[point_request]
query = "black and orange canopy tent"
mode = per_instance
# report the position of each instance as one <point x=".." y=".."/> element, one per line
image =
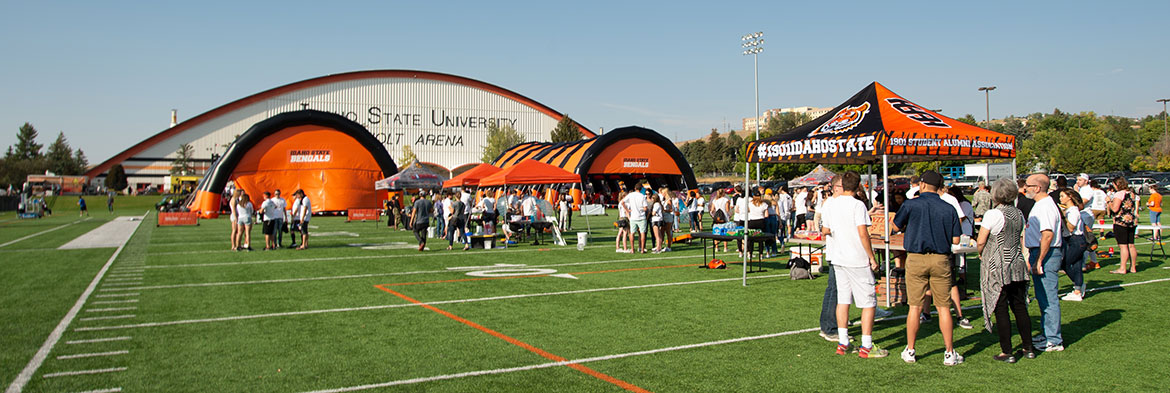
<point x="472" y="176"/>
<point x="877" y="125"/>
<point x="626" y="154"/>
<point x="874" y="123"/>
<point x="530" y="172"/>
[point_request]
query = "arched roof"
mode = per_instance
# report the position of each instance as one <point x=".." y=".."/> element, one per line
<point x="578" y="156"/>
<point x="310" y="83"/>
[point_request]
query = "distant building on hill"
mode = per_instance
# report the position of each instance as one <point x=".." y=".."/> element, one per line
<point x="749" y="123"/>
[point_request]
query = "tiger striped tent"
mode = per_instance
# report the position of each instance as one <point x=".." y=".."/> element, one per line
<point x="626" y="154"/>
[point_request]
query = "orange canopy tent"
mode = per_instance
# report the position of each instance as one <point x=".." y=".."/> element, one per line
<point x="472" y="177"/>
<point x="530" y="172"/>
<point x="877" y="123"/>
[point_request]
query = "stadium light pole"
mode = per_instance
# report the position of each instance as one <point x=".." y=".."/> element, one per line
<point x="1165" y="127"/>
<point x="987" y="96"/>
<point x="753" y="44"/>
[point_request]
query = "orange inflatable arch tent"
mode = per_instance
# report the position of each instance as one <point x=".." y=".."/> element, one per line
<point x="333" y="159"/>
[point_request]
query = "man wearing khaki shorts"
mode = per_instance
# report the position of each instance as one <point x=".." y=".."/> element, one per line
<point x="931" y="227"/>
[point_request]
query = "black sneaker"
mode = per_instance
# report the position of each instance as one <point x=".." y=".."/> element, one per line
<point x="1003" y="357"/>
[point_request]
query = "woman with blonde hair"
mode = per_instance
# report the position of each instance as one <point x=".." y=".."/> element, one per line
<point x="669" y="213"/>
<point x="657" y="221"/>
<point x="232" y="200"/>
<point x="624" y="244"/>
<point x="244" y="212"/>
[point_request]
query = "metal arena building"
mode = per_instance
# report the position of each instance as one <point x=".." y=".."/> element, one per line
<point x="443" y="119"/>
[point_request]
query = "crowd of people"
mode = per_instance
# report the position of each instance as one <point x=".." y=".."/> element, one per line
<point x="454" y="213"/>
<point x="271" y="216"/>
<point x="1032" y="229"/>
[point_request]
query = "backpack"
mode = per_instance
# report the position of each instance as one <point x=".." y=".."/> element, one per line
<point x="799" y="269"/>
<point x="715" y="264"/>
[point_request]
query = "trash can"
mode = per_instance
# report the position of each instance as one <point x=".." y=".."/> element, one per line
<point x="582" y="240"/>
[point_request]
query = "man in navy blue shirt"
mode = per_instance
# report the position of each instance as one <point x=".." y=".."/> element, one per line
<point x="931" y="227"/>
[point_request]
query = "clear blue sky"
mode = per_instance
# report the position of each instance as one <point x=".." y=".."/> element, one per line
<point x="108" y="73"/>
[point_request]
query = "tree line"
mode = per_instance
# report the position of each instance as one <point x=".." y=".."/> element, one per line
<point x="27" y="157"/>
<point x="1056" y="142"/>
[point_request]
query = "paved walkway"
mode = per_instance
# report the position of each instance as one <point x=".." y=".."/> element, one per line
<point x="110" y="235"/>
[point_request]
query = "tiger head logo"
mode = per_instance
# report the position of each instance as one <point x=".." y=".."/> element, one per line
<point x="844" y="120"/>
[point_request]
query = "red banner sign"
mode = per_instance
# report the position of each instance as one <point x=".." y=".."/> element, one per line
<point x="363" y="214"/>
<point x="177" y="219"/>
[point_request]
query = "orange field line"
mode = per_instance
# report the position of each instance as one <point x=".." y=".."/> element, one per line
<point x="579" y="367"/>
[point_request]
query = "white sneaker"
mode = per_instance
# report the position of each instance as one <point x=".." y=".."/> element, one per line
<point x="1053" y="348"/>
<point x="828" y="337"/>
<point x="908" y="356"/>
<point x="1072" y="297"/>
<point x="951" y="358"/>
<point x="879" y="312"/>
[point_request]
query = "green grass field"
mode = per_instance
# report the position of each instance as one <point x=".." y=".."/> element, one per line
<point x="345" y="315"/>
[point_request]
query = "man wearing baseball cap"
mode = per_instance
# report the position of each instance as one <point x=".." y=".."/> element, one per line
<point x="931" y="227"/>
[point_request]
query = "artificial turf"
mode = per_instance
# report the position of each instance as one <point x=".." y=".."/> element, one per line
<point x="209" y="319"/>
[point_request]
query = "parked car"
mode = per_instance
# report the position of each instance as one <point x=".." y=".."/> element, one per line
<point x="1141" y="185"/>
<point x="720" y="185"/>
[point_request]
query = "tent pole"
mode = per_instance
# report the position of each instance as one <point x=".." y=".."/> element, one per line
<point x="1014" y="174"/>
<point x="886" y="212"/>
<point x="747" y="192"/>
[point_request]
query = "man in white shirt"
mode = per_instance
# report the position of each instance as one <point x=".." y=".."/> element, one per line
<point x="465" y="197"/>
<point x="1041" y="237"/>
<point x="282" y="207"/>
<point x="945" y="194"/>
<point x="914" y="187"/>
<point x="304" y="214"/>
<point x="783" y="212"/>
<point x="1083" y="189"/>
<point x="635" y="204"/>
<point x="800" y="203"/>
<point x="845" y="223"/>
<point x="271" y="214"/>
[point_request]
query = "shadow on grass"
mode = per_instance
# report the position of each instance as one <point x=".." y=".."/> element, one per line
<point x="1075" y="330"/>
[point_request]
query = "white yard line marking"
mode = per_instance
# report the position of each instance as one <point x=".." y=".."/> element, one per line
<point x="35" y="363"/>
<point x="98" y="340"/>
<point x="92" y="355"/>
<point x="85" y="372"/>
<point x="118" y="295"/>
<point x="44" y="232"/>
<point x="564" y="363"/>
<point x="629" y="354"/>
<point x="421" y="255"/>
<point x="120" y="284"/>
<point x="402" y="305"/>
<point x="124" y="279"/>
<point x="288" y="280"/>
<point x="126" y="316"/>
<point x="116" y="301"/>
<point x="111" y="309"/>
<point x="110" y="390"/>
